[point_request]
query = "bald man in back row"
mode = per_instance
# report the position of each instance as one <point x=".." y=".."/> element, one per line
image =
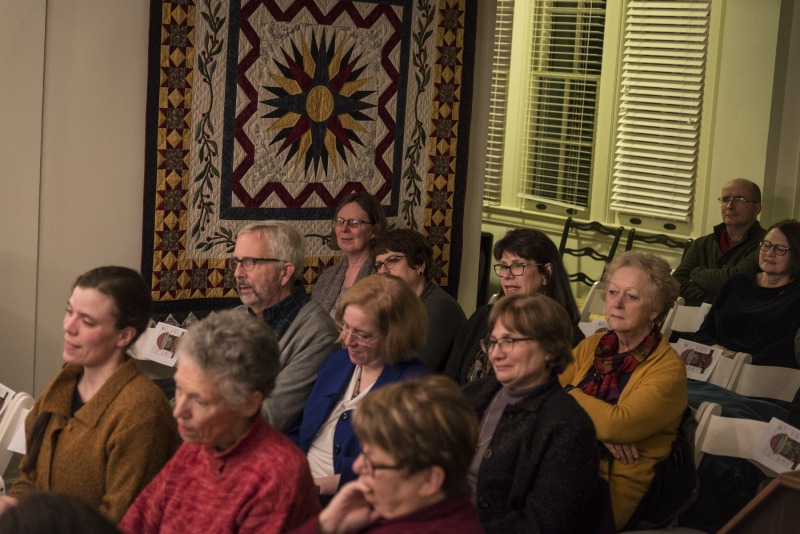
<point x="731" y="249"/>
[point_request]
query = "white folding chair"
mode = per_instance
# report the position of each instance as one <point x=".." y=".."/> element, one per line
<point x="687" y="318"/>
<point x="20" y="403"/>
<point x="594" y="303"/>
<point x="779" y="383"/>
<point x="727" y="371"/>
<point x="703" y="415"/>
<point x="730" y="436"/>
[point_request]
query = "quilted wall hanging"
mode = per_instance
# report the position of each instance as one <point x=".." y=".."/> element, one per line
<point x="270" y="109"/>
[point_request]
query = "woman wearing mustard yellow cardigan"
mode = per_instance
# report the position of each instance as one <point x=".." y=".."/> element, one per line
<point x="629" y="380"/>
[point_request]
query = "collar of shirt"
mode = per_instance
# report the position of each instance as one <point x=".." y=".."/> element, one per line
<point x="281" y="315"/>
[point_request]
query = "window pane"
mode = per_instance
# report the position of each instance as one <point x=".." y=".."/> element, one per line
<point x="566" y="60"/>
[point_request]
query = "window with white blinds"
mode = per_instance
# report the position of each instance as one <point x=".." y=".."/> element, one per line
<point x="565" y="63"/>
<point x="660" y="104"/>
<point x="501" y="67"/>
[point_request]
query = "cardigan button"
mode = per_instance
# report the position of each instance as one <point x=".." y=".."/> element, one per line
<point x="488" y="454"/>
<point x="345" y="416"/>
<point x="337" y="449"/>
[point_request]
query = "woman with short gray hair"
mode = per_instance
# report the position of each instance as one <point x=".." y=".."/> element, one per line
<point x="234" y="472"/>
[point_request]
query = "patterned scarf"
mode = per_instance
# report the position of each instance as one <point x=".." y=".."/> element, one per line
<point x="612" y="369"/>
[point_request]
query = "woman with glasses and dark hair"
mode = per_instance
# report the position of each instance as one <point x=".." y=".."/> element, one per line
<point x="535" y="467"/>
<point x="358" y="222"/>
<point x="758" y="313"/>
<point x="406" y="253"/>
<point x="528" y="263"/>
<point x="100" y="430"/>
<point x="383" y="325"/>
<point x="417" y="439"/>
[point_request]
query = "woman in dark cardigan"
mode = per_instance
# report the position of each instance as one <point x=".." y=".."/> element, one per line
<point x="536" y="467"/>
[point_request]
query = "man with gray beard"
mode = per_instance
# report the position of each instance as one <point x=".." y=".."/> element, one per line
<point x="267" y="263"/>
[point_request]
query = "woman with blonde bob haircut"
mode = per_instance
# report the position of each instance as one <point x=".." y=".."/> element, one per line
<point x="399" y="315"/>
<point x="383" y="326"/>
<point x="631" y="382"/>
<point x="535" y="464"/>
<point x="418" y="438"/>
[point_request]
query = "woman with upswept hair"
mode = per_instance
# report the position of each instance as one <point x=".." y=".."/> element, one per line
<point x="100" y="430"/>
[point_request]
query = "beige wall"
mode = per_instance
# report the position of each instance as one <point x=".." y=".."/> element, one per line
<point x="22" y="64"/>
<point x="80" y="202"/>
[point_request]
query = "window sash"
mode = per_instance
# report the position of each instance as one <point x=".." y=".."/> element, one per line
<point x="566" y="59"/>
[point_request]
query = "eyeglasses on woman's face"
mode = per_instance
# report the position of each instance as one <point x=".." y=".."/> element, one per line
<point x="390" y="262"/>
<point x="505" y="344"/>
<point x="780" y="250"/>
<point x="357" y="335"/>
<point x="368" y="468"/>
<point x="351" y="223"/>
<point x="517" y="269"/>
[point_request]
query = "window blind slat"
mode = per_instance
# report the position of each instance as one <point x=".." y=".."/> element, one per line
<point x="658" y="123"/>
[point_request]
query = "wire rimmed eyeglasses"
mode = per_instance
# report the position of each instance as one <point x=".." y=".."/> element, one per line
<point x="735" y="200"/>
<point x="517" y="269"/>
<point x="390" y="262"/>
<point x="505" y="344"/>
<point x="780" y="250"/>
<point x="351" y="223"/>
<point x="248" y="264"/>
<point x="360" y="337"/>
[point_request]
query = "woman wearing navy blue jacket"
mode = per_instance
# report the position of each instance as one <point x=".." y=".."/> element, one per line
<point x="383" y="325"/>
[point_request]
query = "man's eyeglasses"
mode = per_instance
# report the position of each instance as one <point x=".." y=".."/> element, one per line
<point x="735" y="200"/>
<point x="780" y="250"/>
<point x="369" y="468"/>
<point x="517" y="269"/>
<point x="505" y="344"/>
<point x="356" y="335"/>
<point x="248" y="264"/>
<point x="390" y="262"/>
<point x="351" y="223"/>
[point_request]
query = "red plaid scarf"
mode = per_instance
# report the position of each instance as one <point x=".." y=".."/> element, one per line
<point x="612" y="368"/>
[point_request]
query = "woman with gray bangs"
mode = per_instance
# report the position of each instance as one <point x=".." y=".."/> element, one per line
<point x="234" y="472"/>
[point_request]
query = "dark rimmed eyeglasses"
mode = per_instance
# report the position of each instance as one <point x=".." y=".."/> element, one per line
<point x="505" y="344"/>
<point x="390" y="262"/>
<point x="351" y="223"/>
<point x="780" y="250"/>
<point x="248" y="264"/>
<point x="517" y="269"/>
<point x="370" y="468"/>
<point x="736" y="200"/>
